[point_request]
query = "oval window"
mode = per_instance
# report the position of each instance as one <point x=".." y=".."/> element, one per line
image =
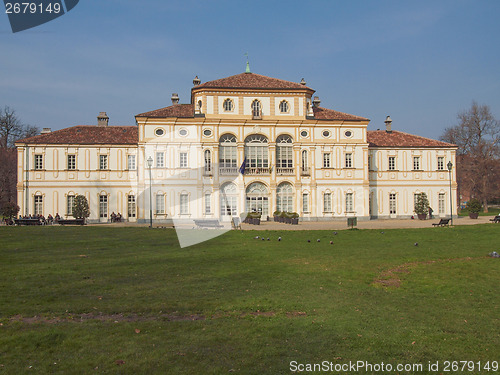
<point x="207" y="132"/>
<point x="326" y="133"/>
<point x="348" y="133"/>
<point x="183" y="132"/>
<point x="159" y="132"/>
<point x="304" y="133"/>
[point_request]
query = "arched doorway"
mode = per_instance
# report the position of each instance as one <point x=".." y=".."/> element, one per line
<point x="228" y="201"/>
<point x="257" y="198"/>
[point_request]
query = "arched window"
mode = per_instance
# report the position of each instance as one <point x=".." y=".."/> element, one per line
<point x="208" y="161"/>
<point x="227" y="154"/>
<point x="284" y="152"/>
<point x="200" y="104"/>
<point x="228" y="105"/>
<point x="256" y="154"/>
<point x="257" y="198"/>
<point x="228" y="200"/>
<point x="284" y="106"/>
<point x="284" y="197"/>
<point x="304" y="166"/>
<point x="256" y="109"/>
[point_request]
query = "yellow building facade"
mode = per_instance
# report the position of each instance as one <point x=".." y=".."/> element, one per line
<point x="243" y="143"/>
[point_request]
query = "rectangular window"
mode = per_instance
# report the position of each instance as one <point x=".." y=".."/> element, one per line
<point x="160" y="161"/>
<point x="348" y="160"/>
<point x="208" y="206"/>
<point x="227" y="156"/>
<point x="415" y="199"/>
<point x="305" y="202"/>
<point x="416" y="163"/>
<point x="38" y="161"/>
<point x="103" y="161"/>
<point x="131" y="162"/>
<point x="327" y="202"/>
<point x="392" y="204"/>
<point x="184" y="204"/>
<point x="103" y="205"/>
<point x="440" y="163"/>
<point x="369" y="162"/>
<point x="71" y="162"/>
<point x="441" y="204"/>
<point x="70" y="202"/>
<point x="38" y="205"/>
<point x="131" y="207"/>
<point x="349" y="206"/>
<point x="284" y="156"/>
<point x="183" y="160"/>
<point x="160" y="204"/>
<point x="392" y="163"/>
<point x="326" y="161"/>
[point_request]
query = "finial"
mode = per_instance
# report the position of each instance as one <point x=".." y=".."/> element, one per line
<point x="248" y="64"/>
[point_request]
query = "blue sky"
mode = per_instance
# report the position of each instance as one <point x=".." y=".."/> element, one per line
<point x="420" y="62"/>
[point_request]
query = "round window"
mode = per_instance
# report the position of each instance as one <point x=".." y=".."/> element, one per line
<point x="348" y="133"/>
<point x="207" y="132"/>
<point x="304" y="133"/>
<point x="159" y="132"/>
<point x="326" y="133"/>
<point x="183" y="132"/>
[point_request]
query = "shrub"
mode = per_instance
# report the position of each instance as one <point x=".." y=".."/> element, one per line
<point x="474" y="206"/>
<point x="422" y="205"/>
<point x="9" y="210"/>
<point x="81" y="207"/>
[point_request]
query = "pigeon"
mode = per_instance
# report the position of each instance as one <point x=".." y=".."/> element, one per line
<point x="263" y="239"/>
<point x="334" y="233"/>
<point x="268" y="239"/>
<point x="416" y="243"/>
<point x="256" y="237"/>
<point x="381" y="232"/>
<point x="331" y="242"/>
<point x="279" y="238"/>
<point x="318" y="240"/>
<point x="308" y="240"/>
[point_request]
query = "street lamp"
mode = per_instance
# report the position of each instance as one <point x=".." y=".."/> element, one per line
<point x="150" y="164"/>
<point x="450" y="166"/>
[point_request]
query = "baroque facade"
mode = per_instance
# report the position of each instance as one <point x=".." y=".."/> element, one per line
<point x="244" y="143"/>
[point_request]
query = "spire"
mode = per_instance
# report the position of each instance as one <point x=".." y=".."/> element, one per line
<point x="248" y="64"/>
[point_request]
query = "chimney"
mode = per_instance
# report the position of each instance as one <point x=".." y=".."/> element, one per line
<point x="388" y="122"/>
<point x="46" y="131"/>
<point x="303" y="82"/>
<point x="175" y="98"/>
<point x="196" y="81"/>
<point x="102" y="119"/>
<point x="316" y="102"/>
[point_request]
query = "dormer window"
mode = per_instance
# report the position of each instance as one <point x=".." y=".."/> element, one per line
<point x="256" y="109"/>
<point x="284" y="107"/>
<point x="228" y="105"/>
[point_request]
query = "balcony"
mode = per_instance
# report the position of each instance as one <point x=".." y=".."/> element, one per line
<point x="285" y="171"/>
<point x="228" y="171"/>
<point x="305" y="172"/>
<point x="257" y="171"/>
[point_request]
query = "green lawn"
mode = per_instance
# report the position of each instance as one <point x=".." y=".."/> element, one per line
<point x="492" y="211"/>
<point x="77" y="300"/>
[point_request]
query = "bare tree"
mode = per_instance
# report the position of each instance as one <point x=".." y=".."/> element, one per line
<point x="11" y="129"/>
<point x="478" y="156"/>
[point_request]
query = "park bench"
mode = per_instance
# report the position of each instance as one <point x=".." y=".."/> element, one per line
<point x="208" y="223"/>
<point x="27" y="222"/>
<point x="442" y="223"/>
<point x="496" y="219"/>
<point x="71" y="222"/>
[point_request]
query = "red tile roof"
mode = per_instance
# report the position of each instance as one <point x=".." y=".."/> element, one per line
<point x="87" y="135"/>
<point x="252" y="81"/>
<point x="176" y="110"/>
<point x="381" y="138"/>
<point x="329" y="114"/>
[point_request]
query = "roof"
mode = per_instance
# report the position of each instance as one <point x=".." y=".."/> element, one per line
<point x="176" y="110"/>
<point x="381" y="138"/>
<point x="252" y="81"/>
<point x="87" y="135"/>
<point x="329" y="114"/>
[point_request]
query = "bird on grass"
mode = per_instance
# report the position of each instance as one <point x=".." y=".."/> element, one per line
<point x="279" y="238"/>
<point x="318" y="240"/>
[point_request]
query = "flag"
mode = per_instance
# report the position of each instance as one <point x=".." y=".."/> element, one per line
<point x="243" y="166"/>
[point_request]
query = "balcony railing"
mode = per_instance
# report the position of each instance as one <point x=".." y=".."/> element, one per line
<point x="305" y="172"/>
<point x="257" y="171"/>
<point x="228" y="171"/>
<point x="285" y="171"/>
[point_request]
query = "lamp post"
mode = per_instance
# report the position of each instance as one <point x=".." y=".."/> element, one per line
<point x="150" y="164"/>
<point x="450" y="166"/>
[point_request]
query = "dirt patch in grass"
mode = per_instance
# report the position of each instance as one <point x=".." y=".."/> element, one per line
<point x="130" y="318"/>
<point x="390" y="278"/>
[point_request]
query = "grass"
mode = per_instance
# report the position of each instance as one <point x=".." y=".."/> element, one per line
<point x="130" y="301"/>
<point x="492" y="211"/>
